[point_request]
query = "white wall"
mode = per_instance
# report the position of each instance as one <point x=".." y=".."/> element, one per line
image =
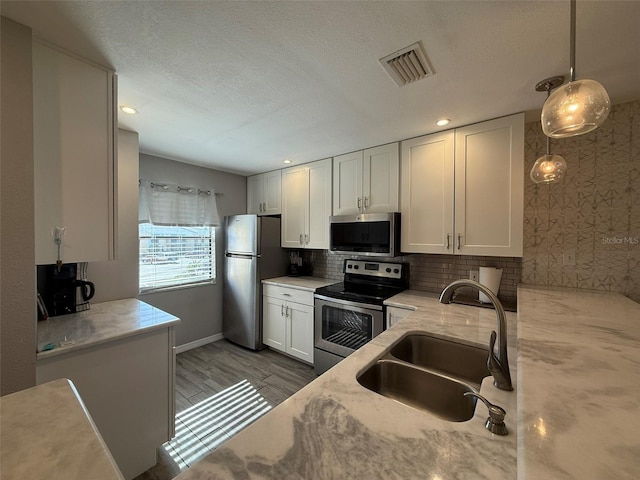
<point x="119" y="279"/>
<point x="199" y="308"/>
<point x="17" y="237"/>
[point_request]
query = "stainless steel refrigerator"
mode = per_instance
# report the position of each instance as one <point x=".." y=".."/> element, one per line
<point x="252" y="253"/>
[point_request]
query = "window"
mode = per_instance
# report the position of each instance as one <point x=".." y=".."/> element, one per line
<point x="176" y="256"/>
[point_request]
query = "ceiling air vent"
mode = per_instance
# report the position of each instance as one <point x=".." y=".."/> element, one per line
<point x="407" y="65"/>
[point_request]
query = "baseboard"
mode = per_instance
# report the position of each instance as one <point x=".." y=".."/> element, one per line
<point x="199" y="343"/>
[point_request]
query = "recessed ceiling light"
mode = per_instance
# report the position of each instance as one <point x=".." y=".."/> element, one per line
<point x="287" y="161"/>
<point x="442" y="122"/>
<point x="129" y="110"/>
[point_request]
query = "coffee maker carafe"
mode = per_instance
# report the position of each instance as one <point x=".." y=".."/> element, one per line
<point x="62" y="291"/>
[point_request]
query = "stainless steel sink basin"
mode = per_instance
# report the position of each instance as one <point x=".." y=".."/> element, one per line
<point x="443" y="397"/>
<point x="453" y="358"/>
<point x="431" y="374"/>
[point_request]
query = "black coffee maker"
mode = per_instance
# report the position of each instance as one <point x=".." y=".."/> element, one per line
<point x="61" y="290"/>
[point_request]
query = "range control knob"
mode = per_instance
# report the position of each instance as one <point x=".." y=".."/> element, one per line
<point x="349" y="266"/>
<point x="395" y="270"/>
<point x="356" y="267"/>
<point x="388" y="270"/>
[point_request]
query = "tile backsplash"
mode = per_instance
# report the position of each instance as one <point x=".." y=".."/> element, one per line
<point x="593" y="215"/>
<point x="431" y="273"/>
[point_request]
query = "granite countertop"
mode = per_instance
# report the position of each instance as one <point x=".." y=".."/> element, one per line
<point x="310" y="284"/>
<point x="103" y="323"/>
<point x="578" y="394"/>
<point x="48" y="433"/>
<point x="335" y="428"/>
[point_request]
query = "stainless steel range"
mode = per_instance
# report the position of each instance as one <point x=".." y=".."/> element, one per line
<point x="350" y="313"/>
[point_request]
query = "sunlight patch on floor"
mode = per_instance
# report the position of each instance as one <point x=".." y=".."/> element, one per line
<point x="205" y="426"/>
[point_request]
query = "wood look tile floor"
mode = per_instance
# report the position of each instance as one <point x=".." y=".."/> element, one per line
<point x="220" y="389"/>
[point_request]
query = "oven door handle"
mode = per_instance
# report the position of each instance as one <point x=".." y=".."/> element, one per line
<point x="349" y="303"/>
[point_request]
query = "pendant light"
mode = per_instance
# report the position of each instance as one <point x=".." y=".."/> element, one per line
<point x="549" y="168"/>
<point x="577" y="107"/>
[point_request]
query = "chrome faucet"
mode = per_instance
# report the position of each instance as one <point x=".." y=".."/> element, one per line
<point x="498" y="366"/>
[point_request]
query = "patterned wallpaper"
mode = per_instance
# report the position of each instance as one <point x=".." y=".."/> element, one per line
<point x="594" y="214"/>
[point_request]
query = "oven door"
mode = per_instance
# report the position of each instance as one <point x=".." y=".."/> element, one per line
<point x="341" y="327"/>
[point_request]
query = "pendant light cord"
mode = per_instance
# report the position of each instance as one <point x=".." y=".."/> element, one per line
<point x="572" y="43"/>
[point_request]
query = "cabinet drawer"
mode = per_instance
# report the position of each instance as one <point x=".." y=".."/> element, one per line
<point x="289" y="294"/>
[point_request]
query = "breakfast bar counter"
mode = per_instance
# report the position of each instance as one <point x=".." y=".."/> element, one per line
<point x="573" y="413"/>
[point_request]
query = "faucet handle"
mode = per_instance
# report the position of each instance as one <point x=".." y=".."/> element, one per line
<point x="495" y="421"/>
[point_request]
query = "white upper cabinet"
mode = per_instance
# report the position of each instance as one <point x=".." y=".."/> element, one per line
<point x="462" y="190"/>
<point x="366" y="181"/>
<point x="264" y="193"/>
<point x="306" y="205"/>
<point x="74" y="157"/>
<point x="427" y="193"/>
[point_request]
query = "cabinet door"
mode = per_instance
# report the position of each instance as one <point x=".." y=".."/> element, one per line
<point x="381" y="172"/>
<point x="319" y="204"/>
<point x="347" y="183"/>
<point x="300" y="331"/>
<point x="489" y="172"/>
<point x="273" y="323"/>
<point x="272" y="193"/>
<point x="427" y="194"/>
<point x="295" y="196"/>
<point x="255" y="194"/>
<point x="395" y="314"/>
<point x="74" y="148"/>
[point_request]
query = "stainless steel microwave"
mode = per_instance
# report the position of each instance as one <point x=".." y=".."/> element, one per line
<point x="371" y="234"/>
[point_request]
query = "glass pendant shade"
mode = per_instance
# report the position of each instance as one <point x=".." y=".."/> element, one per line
<point x="575" y="109"/>
<point x="548" y="169"/>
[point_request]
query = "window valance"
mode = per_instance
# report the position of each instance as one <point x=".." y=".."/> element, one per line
<point x="175" y="205"/>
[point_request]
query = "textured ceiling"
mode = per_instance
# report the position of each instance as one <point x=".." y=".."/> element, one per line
<point x="240" y="86"/>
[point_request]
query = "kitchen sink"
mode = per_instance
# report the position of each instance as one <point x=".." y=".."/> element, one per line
<point x="443" y="397"/>
<point x="430" y="373"/>
<point x="453" y="358"/>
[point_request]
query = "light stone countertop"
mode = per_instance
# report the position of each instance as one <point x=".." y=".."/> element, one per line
<point x="104" y="322"/>
<point x="579" y="388"/>
<point x="48" y="433"/>
<point x="309" y="284"/>
<point x="336" y="429"/>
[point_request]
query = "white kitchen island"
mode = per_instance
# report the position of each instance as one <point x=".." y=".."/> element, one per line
<point x="120" y="356"/>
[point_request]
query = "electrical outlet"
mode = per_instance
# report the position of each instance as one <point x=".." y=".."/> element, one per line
<point x="569" y="258"/>
<point x="474" y="275"/>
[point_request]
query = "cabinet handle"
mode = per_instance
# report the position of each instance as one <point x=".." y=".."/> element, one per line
<point x="260" y="207"/>
<point x="359" y="202"/>
<point x="366" y="202"/>
<point x="300" y="239"/>
<point x="459" y="241"/>
<point x="448" y="241"/>
<point x="285" y="294"/>
<point x="282" y="310"/>
<point x="264" y="207"/>
<point x="287" y="312"/>
<point x="306" y="239"/>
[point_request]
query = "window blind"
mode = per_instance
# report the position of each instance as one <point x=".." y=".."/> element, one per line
<point x="173" y="256"/>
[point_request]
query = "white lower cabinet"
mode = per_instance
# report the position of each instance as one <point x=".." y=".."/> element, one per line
<point x="395" y="314"/>
<point x="288" y="321"/>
